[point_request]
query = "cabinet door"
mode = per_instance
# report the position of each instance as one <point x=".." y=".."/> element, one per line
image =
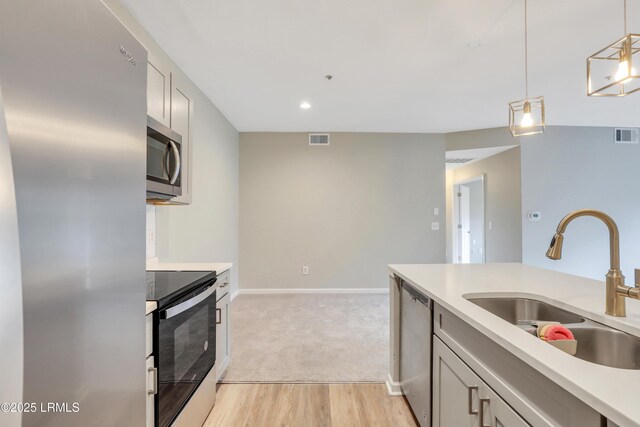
<point x="455" y="389"/>
<point x="152" y="384"/>
<point x="495" y="412"/>
<point x="158" y="91"/>
<point x="181" y="122"/>
<point x="222" y="335"/>
<point x="461" y="398"/>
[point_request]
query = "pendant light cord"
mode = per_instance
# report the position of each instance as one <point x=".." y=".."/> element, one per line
<point x="526" y="51"/>
<point x="625" y="17"/>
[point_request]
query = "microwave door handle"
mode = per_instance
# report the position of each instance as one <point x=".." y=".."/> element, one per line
<point x="165" y="160"/>
<point x="186" y="305"/>
<point x="176" y="170"/>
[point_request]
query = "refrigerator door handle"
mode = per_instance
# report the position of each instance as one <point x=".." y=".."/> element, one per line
<point x="176" y="171"/>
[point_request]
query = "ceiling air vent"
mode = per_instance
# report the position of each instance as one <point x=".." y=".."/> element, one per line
<point x="626" y="135"/>
<point x="318" y="139"/>
<point x="458" y="160"/>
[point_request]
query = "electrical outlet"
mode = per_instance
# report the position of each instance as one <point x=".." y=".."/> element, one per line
<point x="305" y="269"/>
<point x="435" y="226"/>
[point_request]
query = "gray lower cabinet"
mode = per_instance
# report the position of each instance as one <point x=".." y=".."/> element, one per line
<point x="223" y="347"/>
<point x="461" y="398"/>
<point x="152" y="385"/>
<point x="478" y="383"/>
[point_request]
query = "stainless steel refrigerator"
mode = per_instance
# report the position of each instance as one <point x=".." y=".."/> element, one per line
<point x="73" y="84"/>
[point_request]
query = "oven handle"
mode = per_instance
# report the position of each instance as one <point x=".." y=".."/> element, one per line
<point x="176" y="171"/>
<point x="184" y="306"/>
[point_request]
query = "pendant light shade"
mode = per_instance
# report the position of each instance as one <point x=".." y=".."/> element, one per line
<point x="615" y="70"/>
<point x="526" y="117"/>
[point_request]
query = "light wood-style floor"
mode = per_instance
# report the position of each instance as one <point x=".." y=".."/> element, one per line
<point x="308" y="405"/>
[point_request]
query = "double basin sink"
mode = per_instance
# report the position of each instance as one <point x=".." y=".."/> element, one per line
<point x="597" y="343"/>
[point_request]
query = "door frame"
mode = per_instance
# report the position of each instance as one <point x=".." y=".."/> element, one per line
<point x="455" y="212"/>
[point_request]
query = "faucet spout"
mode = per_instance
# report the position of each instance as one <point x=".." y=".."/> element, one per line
<point x="616" y="291"/>
<point x="555" y="249"/>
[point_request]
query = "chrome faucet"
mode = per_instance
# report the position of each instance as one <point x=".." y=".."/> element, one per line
<point x="616" y="291"/>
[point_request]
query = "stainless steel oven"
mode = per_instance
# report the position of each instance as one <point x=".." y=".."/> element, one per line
<point x="184" y="338"/>
<point x="163" y="161"/>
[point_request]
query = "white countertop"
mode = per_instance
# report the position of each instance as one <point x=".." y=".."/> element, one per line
<point x="151" y="306"/>
<point x="218" y="267"/>
<point x="613" y="392"/>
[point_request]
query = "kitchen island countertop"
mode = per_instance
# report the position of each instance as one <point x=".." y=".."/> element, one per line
<point x="613" y="392"/>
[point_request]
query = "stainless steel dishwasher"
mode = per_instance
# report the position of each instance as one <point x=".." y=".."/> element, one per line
<point x="416" y="326"/>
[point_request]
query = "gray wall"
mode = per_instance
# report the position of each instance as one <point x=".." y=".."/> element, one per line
<point x="207" y="229"/>
<point x="346" y="210"/>
<point x="569" y="168"/>
<point x="503" y="243"/>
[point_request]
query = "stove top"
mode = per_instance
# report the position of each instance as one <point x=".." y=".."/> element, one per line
<point x="166" y="286"/>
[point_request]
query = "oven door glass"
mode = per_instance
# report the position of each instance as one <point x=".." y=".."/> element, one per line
<point x="186" y="350"/>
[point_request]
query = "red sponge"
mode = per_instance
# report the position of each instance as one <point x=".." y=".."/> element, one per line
<point x="555" y="332"/>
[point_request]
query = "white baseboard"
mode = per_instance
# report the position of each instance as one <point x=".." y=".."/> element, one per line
<point x="234" y="294"/>
<point x="393" y="388"/>
<point x="312" y="291"/>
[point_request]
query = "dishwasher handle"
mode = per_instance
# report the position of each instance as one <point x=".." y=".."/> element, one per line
<point x="425" y="300"/>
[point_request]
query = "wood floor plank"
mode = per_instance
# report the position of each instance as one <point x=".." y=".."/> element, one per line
<point x="308" y="405"/>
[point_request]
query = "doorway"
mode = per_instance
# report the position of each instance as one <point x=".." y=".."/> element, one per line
<point x="468" y="221"/>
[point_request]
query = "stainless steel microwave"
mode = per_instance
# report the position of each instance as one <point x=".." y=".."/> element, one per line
<point x="163" y="161"/>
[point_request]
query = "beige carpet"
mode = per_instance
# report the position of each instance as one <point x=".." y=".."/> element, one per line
<point x="309" y="338"/>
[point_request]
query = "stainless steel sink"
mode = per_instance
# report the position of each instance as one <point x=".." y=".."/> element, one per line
<point x="597" y="343"/>
<point x="525" y="310"/>
<point x="606" y="346"/>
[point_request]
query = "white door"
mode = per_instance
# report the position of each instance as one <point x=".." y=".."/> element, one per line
<point x="464" y="224"/>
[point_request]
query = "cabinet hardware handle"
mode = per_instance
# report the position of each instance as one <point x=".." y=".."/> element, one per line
<point x="218" y="316"/>
<point x="154" y="384"/>
<point x="224" y="285"/>
<point x="481" y="410"/>
<point x="470" y="389"/>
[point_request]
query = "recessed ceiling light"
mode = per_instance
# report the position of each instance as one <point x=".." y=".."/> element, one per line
<point x="305" y="105"/>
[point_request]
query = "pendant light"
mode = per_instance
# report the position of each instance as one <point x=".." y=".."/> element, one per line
<point x="526" y="117"/>
<point x="611" y="71"/>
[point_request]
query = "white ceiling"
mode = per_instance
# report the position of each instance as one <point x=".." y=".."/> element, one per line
<point x="398" y="65"/>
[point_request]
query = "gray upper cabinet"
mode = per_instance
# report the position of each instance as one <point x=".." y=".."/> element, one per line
<point x="169" y="102"/>
<point x="181" y="119"/>
<point x="158" y="91"/>
<point x="461" y="398"/>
